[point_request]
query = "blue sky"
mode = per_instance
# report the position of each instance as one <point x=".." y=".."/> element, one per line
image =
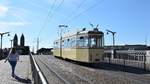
<point x="40" y="18"/>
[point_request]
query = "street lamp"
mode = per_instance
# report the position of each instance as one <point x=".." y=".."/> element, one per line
<point x="113" y="52"/>
<point x="11" y="42"/>
<point x="1" y="34"/>
<point x="60" y="26"/>
<point x="113" y="33"/>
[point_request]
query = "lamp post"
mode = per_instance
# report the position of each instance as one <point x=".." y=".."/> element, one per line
<point x="113" y="34"/>
<point x="37" y="45"/>
<point x="60" y="26"/>
<point x="11" y="42"/>
<point x="1" y="34"/>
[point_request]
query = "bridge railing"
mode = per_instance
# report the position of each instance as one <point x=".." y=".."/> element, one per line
<point x="133" y="58"/>
<point x="36" y="72"/>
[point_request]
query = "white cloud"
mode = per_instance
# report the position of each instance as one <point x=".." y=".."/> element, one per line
<point x="12" y="23"/>
<point x="3" y="10"/>
<point x="12" y="26"/>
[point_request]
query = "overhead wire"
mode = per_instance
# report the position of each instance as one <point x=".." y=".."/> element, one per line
<point x="50" y="14"/>
<point x="79" y="14"/>
<point x="57" y="7"/>
<point x="47" y="17"/>
<point x="71" y="14"/>
<point x="78" y="7"/>
<point x="60" y="4"/>
<point x="69" y="20"/>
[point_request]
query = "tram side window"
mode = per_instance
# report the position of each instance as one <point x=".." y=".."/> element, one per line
<point x="68" y="43"/>
<point x="65" y="44"/>
<point x="56" y="44"/>
<point x="82" y="42"/>
<point x="72" y="43"/>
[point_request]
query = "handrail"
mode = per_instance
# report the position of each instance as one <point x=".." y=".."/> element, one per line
<point x="39" y="73"/>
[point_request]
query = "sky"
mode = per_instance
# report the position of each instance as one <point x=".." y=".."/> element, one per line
<point x="41" y="18"/>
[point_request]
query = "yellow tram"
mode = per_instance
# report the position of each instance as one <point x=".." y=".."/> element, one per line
<point x="83" y="46"/>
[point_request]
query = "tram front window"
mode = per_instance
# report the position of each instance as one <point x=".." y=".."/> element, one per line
<point x="96" y="41"/>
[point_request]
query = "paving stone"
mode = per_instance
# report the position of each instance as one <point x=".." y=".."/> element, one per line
<point x="23" y="71"/>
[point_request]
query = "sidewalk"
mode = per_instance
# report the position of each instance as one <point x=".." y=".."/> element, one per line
<point x="23" y="71"/>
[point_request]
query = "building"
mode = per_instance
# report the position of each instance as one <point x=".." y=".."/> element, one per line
<point x="15" y="41"/>
<point x="24" y="50"/>
<point x="45" y="51"/>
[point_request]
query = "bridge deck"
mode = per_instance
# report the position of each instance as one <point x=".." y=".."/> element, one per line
<point x="23" y="71"/>
<point x="58" y="71"/>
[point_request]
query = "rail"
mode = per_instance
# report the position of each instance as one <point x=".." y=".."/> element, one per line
<point x="36" y="72"/>
<point x="133" y="58"/>
<point x="52" y="70"/>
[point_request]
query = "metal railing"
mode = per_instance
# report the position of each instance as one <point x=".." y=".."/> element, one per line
<point x="133" y="58"/>
<point x="36" y="72"/>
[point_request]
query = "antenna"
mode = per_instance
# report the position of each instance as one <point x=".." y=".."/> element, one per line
<point x="91" y="24"/>
<point x="97" y="25"/>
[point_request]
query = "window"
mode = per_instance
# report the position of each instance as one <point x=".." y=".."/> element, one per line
<point x="93" y="42"/>
<point x="73" y="42"/>
<point x="82" y="42"/>
<point x="56" y="44"/>
<point x="96" y="41"/>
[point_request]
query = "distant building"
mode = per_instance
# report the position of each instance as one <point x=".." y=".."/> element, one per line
<point x="15" y="41"/>
<point x="24" y="49"/>
<point x="22" y="40"/>
<point x="45" y="51"/>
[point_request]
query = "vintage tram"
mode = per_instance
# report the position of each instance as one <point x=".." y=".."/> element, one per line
<point x="82" y="46"/>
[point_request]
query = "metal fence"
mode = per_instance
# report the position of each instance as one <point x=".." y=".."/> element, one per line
<point x="36" y="73"/>
<point x="133" y="58"/>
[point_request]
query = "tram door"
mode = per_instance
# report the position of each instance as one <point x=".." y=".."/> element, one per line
<point x="96" y="49"/>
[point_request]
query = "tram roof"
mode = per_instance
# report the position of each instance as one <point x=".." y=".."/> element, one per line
<point x="81" y="32"/>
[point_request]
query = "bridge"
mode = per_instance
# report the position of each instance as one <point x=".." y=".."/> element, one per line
<point x="23" y="71"/>
<point x="46" y="69"/>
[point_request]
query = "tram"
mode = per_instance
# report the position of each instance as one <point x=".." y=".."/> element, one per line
<point x="82" y="46"/>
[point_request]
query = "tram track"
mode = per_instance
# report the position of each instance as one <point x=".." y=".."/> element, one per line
<point x="53" y="71"/>
<point x="65" y="76"/>
<point x="69" y="73"/>
<point x="127" y="78"/>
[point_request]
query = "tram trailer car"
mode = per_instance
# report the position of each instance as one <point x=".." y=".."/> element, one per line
<point x="83" y="46"/>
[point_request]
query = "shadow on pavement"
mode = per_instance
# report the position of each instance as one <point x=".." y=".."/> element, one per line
<point x="23" y="80"/>
<point x="111" y="67"/>
<point x="115" y="67"/>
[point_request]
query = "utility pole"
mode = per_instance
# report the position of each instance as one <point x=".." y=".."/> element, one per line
<point x="11" y="42"/>
<point x="146" y="40"/>
<point x="33" y="49"/>
<point x="60" y="26"/>
<point x="37" y="44"/>
<point x="1" y="34"/>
